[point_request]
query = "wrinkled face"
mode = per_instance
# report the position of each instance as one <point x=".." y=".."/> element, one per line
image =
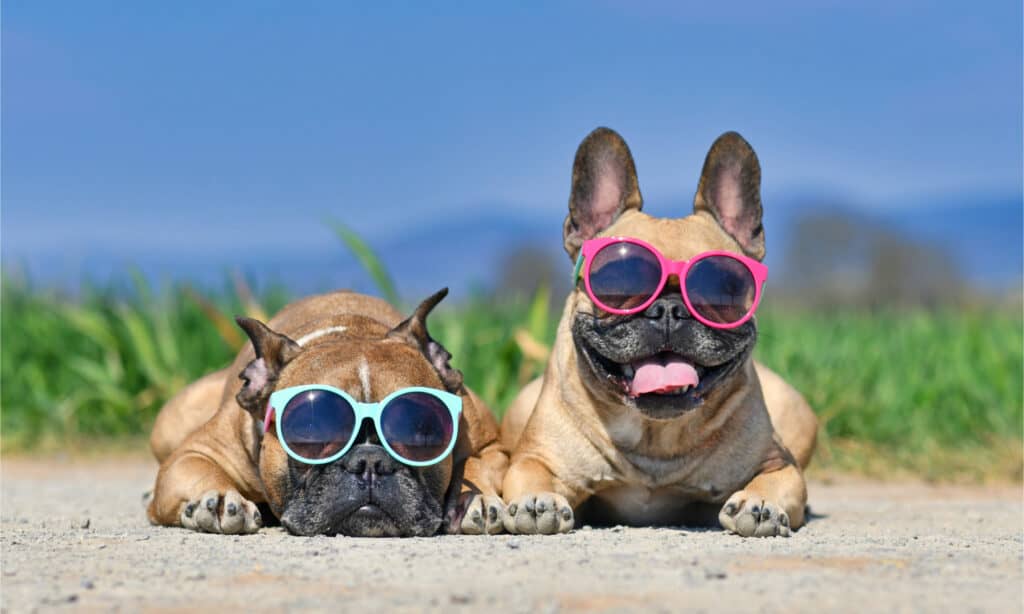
<point x="365" y="493"/>
<point x="649" y="360"/>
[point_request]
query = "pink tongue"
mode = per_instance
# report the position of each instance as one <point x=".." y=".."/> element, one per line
<point x="661" y="375"/>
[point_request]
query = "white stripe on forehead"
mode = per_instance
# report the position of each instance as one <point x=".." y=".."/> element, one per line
<point x="364" y="378"/>
<point x="303" y="340"/>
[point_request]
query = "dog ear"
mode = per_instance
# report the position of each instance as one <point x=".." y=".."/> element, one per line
<point x="730" y="190"/>
<point x="414" y="332"/>
<point x="273" y="352"/>
<point x="604" y="185"/>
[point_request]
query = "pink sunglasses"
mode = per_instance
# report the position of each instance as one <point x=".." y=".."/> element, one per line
<point x="624" y="276"/>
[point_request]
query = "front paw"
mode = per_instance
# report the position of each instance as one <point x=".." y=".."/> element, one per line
<point x="476" y="514"/>
<point x="543" y="513"/>
<point x="749" y="515"/>
<point x="215" y="512"/>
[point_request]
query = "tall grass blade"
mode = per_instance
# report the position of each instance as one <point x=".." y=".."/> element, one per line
<point x="226" y="327"/>
<point x="368" y="259"/>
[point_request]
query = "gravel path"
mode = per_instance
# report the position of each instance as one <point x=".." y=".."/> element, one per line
<point x="74" y="536"/>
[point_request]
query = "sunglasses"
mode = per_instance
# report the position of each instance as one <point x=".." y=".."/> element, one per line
<point x="624" y="276"/>
<point x="318" y="424"/>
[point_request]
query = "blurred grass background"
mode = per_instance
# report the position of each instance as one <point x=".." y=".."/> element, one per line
<point x="933" y="392"/>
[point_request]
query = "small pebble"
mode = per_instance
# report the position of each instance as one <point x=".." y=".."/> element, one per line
<point x="714" y="574"/>
<point x="513" y="544"/>
<point x="85" y="523"/>
<point x="88" y="584"/>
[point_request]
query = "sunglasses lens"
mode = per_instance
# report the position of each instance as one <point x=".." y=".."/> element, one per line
<point x="721" y="289"/>
<point x="417" y="426"/>
<point x="624" y="275"/>
<point x="317" y="424"/>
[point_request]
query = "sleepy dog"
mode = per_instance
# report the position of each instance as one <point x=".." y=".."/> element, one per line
<point x="342" y="418"/>
<point x="651" y="409"/>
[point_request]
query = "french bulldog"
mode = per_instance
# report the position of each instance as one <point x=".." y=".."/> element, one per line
<point x="657" y="418"/>
<point x="220" y="464"/>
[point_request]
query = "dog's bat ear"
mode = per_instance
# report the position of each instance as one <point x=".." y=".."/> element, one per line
<point x="414" y="332"/>
<point x="730" y="190"/>
<point x="273" y="352"/>
<point x="604" y="185"/>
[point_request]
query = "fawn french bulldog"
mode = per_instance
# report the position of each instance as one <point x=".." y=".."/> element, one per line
<point x="341" y="417"/>
<point x="651" y="409"/>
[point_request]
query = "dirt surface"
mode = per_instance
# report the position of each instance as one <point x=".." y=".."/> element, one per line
<point x="74" y="536"/>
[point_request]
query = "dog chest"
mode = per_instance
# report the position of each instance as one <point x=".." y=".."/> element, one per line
<point x="638" y="505"/>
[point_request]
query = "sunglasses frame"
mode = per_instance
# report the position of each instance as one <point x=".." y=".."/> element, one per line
<point x="679" y="268"/>
<point x="362" y="411"/>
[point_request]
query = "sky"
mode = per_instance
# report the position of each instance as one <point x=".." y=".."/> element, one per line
<point x="235" y="128"/>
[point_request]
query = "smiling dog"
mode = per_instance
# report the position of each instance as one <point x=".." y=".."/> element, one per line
<point x="655" y="412"/>
<point x="218" y="460"/>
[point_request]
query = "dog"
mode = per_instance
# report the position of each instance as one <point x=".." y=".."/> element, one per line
<point x="658" y="418"/>
<point x="221" y="460"/>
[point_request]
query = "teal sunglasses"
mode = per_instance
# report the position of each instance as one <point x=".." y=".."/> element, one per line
<point x="318" y="424"/>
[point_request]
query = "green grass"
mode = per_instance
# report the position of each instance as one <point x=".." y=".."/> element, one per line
<point x="938" y="393"/>
<point x="934" y="393"/>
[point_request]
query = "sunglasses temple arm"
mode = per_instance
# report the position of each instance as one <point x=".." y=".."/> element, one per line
<point x="269" y="416"/>
<point x="578" y="269"/>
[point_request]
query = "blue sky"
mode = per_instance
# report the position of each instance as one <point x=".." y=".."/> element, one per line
<point x="228" y="127"/>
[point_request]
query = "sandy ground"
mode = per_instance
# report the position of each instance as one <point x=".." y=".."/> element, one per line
<point x="74" y="536"/>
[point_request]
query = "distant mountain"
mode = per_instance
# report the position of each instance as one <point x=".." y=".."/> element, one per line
<point x="464" y="252"/>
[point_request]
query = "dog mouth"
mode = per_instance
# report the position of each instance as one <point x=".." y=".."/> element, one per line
<point x="663" y="384"/>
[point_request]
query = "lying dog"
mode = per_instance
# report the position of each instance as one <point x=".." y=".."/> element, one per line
<point x="284" y="426"/>
<point x="651" y="410"/>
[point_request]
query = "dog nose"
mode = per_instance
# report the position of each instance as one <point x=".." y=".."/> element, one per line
<point x="669" y="308"/>
<point x="368" y="461"/>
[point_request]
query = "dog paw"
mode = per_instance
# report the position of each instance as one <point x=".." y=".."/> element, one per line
<point x="215" y="512"/>
<point x="477" y="514"/>
<point x="544" y="513"/>
<point x="749" y="515"/>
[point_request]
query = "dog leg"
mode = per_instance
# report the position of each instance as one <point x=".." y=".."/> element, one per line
<point x="535" y="504"/>
<point x="193" y="492"/>
<point x="771" y="504"/>
<point x="479" y="510"/>
<point x="791" y="416"/>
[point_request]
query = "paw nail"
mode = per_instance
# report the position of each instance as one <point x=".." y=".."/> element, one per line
<point x="492" y="513"/>
<point x="232" y="509"/>
<point x="476" y="517"/>
<point x="784" y="519"/>
<point x="541" y="507"/>
<point x="211" y="504"/>
<point x="512" y="509"/>
<point x="756" y="511"/>
<point x="529" y="506"/>
<point x="730" y="509"/>
<point x="256" y="517"/>
<point x="191" y="507"/>
<point x="566" y="513"/>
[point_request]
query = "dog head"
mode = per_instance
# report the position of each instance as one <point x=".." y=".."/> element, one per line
<point x="366" y="492"/>
<point x="606" y="201"/>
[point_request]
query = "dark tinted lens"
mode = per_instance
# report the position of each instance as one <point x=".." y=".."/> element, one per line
<point x="317" y="423"/>
<point x="418" y="426"/>
<point x="624" y="275"/>
<point x="720" y="288"/>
